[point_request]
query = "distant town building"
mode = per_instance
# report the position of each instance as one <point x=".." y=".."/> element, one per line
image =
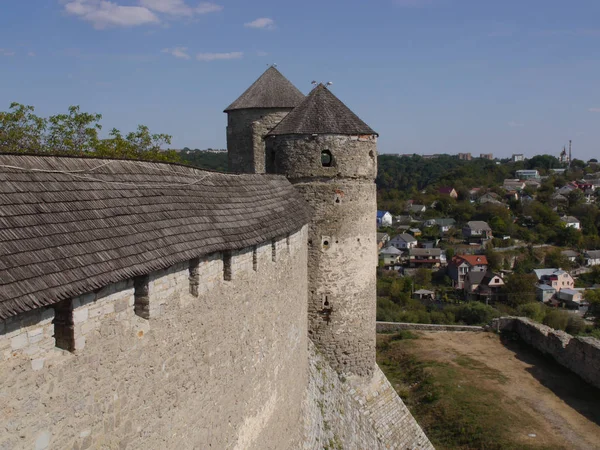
<point x="448" y="190"/>
<point x="403" y="240"/>
<point x="477" y="230"/>
<point x="389" y="255"/>
<point x="516" y="157"/>
<point x="592" y="257"/>
<point x="564" y="156"/>
<point x="384" y="219"/>
<point x="527" y="174"/>
<point x="425" y="257"/>
<point x="489" y="156"/>
<point x="465" y="156"/>
<point x="557" y="278"/>
<point x="462" y="265"/>
<point x="513" y="184"/>
<point x="571" y="222"/>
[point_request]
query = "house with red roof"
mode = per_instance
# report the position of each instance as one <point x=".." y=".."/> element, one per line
<point x="461" y="265"/>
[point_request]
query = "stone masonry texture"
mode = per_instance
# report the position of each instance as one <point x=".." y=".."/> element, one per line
<point x="579" y="354"/>
<point x="246" y="129"/>
<point x="224" y="370"/>
<point x="355" y="412"/>
<point x="341" y="243"/>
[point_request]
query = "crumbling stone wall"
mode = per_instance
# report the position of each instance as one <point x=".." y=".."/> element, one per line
<point x="579" y="354"/>
<point x="225" y="369"/>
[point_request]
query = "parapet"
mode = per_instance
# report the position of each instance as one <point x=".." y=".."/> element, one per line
<point x="70" y="226"/>
<point x="69" y="323"/>
<point x="579" y="354"/>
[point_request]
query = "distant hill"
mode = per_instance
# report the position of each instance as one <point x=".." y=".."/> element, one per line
<point x="205" y="159"/>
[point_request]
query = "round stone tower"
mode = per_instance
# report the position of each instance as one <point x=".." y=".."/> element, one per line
<point x="256" y="112"/>
<point x="330" y="155"/>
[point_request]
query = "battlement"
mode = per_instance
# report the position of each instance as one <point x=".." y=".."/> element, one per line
<point x="70" y="323"/>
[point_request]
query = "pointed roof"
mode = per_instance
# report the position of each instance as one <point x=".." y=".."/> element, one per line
<point x="270" y="90"/>
<point x="321" y="112"/>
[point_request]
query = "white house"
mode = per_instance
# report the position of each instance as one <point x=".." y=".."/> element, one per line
<point x="527" y="174"/>
<point x="571" y="222"/>
<point x="592" y="257"/>
<point x="389" y="255"/>
<point x="384" y="219"/>
<point x="403" y="240"/>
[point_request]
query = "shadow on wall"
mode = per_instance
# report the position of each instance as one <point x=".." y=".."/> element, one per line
<point x="569" y="387"/>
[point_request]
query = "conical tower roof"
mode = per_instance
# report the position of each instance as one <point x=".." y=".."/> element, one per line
<point x="271" y="90"/>
<point x="321" y="112"/>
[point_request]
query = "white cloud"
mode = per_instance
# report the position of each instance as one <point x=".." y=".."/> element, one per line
<point x="207" y="7"/>
<point x="103" y="14"/>
<point x="179" y="7"/>
<point x="31" y="54"/>
<point x="262" y="22"/>
<point x="594" y="110"/>
<point x="6" y="52"/>
<point x="514" y="124"/>
<point x="261" y="53"/>
<point x="218" y="56"/>
<point x="177" y="52"/>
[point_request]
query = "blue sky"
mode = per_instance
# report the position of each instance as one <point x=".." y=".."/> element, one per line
<point x="431" y="76"/>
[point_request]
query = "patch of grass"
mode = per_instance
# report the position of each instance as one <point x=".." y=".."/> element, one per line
<point x="480" y="368"/>
<point x="403" y="334"/>
<point x="455" y="410"/>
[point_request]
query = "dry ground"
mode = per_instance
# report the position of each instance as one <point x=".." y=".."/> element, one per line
<point x="540" y="404"/>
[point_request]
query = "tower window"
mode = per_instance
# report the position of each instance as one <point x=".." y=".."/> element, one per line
<point x="326" y="158"/>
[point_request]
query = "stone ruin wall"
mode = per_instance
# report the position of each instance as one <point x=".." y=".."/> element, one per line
<point x="220" y="362"/>
<point x="581" y="355"/>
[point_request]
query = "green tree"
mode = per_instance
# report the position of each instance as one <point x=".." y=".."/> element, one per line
<point x="533" y="310"/>
<point x="21" y="130"/>
<point x="423" y="277"/>
<point x="557" y="319"/>
<point x="518" y="289"/>
<point x="555" y="258"/>
<point x="75" y="132"/>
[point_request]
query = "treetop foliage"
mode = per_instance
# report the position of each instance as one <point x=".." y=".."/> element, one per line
<point x="77" y="133"/>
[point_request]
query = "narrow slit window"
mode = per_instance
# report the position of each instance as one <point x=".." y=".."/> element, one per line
<point x="141" y="296"/>
<point x="254" y="258"/>
<point x="194" y="276"/>
<point x="227" y="266"/>
<point x="274" y="250"/>
<point x="326" y="158"/>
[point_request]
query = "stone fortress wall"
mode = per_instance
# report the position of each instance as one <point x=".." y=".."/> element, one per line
<point x="246" y="129"/>
<point x="579" y="354"/>
<point x="219" y="362"/>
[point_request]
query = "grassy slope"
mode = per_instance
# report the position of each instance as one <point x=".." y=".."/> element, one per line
<point x="454" y="402"/>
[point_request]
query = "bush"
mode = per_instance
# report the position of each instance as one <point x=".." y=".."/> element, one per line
<point x="575" y="325"/>
<point x="475" y="313"/>
<point x="534" y="311"/>
<point x="557" y="319"/>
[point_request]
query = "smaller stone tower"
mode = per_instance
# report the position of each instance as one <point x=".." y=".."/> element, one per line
<point x="256" y="112"/>
<point x="330" y="155"/>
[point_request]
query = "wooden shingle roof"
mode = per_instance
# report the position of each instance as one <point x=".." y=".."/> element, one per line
<point x="321" y="112"/>
<point x="270" y="90"/>
<point x="72" y="225"/>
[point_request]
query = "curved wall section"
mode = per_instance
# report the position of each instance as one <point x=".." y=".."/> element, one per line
<point x="222" y="365"/>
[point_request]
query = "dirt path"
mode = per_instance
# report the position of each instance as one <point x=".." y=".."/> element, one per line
<point x="566" y="409"/>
